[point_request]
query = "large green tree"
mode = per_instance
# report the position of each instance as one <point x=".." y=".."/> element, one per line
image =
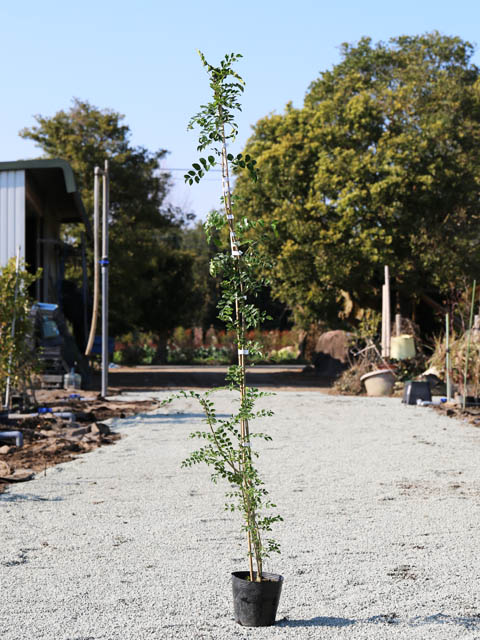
<point x="150" y="275"/>
<point x="380" y="166"/>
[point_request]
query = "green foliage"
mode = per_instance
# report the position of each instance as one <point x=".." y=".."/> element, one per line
<point x="228" y="442"/>
<point x="232" y="459"/>
<point x="150" y="275"/>
<point x="380" y="166"/>
<point x="216" y="120"/>
<point x="16" y="355"/>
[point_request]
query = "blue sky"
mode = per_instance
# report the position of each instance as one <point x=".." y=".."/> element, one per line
<point x="140" y="59"/>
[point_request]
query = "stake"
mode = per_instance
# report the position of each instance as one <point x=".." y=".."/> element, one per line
<point x="447" y="357"/>
<point x="468" y="346"/>
<point x="244" y="431"/>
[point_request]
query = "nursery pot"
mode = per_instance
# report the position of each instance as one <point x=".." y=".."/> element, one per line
<point x="379" y="382"/>
<point x="255" y="603"/>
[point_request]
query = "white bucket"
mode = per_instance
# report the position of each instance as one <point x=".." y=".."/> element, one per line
<point x="402" y="347"/>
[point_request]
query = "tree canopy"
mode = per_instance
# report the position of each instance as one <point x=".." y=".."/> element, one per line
<point x="380" y="166"/>
<point x="149" y="274"/>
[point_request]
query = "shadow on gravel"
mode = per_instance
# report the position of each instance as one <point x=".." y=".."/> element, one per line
<point x="467" y="622"/>
<point x="26" y="497"/>
<point x="319" y="621"/>
<point x="179" y="416"/>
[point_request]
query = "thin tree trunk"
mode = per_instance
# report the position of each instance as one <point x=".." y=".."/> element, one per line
<point x="244" y="428"/>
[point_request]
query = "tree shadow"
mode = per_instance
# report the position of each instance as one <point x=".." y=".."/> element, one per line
<point x="26" y="497"/>
<point x="178" y="416"/>
<point x="468" y="622"/>
<point x="465" y="621"/>
<point x="319" y="621"/>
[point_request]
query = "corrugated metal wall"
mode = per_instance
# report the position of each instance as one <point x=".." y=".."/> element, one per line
<point x="12" y="214"/>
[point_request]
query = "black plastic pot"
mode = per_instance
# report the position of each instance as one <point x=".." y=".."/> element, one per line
<point x="255" y="603"/>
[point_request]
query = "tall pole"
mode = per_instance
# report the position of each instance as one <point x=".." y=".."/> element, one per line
<point x="104" y="265"/>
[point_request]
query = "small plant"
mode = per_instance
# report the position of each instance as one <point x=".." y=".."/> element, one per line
<point x="459" y="346"/>
<point x="17" y="359"/>
<point x="228" y="443"/>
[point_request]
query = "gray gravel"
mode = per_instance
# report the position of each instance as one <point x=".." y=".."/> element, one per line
<point x="381" y="504"/>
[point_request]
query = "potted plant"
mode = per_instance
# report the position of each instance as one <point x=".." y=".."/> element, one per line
<point x="228" y="443"/>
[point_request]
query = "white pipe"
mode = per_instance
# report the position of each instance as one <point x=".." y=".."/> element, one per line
<point x="383" y="323"/>
<point x="18" y="435"/>
<point x="96" y="194"/>
<point x="388" y="322"/>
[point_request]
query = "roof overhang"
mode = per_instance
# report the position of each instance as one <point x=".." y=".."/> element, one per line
<point x="54" y="181"/>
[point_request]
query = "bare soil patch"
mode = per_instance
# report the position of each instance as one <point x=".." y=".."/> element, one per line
<point x="51" y="440"/>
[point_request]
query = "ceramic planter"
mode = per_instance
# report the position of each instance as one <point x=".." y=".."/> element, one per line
<point x="379" y="382"/>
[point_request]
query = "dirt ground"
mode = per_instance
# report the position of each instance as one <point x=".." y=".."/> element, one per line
<point x="471" y="414"/>
<point x="286" y="377"/>
<point x="51" y="440"/>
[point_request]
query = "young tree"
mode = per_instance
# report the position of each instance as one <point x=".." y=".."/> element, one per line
<point x="380" y="166"/>
<point x="17" y="359"/>
<point x="228" y="443"/>
<point x="150" y="277"/>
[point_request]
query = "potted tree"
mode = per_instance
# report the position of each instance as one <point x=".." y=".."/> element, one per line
<point x="227" y="443"/>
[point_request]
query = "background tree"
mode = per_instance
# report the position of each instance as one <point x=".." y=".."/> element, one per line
<point x="380" y="166"/>
<point x="150" y="274"/>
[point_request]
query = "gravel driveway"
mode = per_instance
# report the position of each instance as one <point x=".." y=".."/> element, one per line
<point x="380" y="540"/>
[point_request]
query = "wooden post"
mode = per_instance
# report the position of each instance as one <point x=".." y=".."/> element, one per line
<point x="447" y="357"/>
<point x="398" y="324"/>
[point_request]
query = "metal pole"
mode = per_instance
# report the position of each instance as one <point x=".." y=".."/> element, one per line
<point x="104" y="264"/>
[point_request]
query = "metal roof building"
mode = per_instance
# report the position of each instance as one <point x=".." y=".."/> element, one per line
<point x="36" y="198"/>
